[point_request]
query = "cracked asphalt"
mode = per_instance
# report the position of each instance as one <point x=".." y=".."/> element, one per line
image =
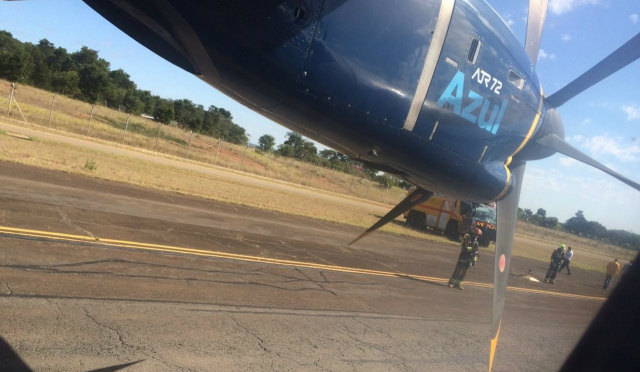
<point x="76" y="306"/>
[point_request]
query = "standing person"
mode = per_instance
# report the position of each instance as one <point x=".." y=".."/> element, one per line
<point x="465" y="259"/>
<point x="567" y="261"/>
<point x="613" y="268"/>
<point x="556" y="259"/>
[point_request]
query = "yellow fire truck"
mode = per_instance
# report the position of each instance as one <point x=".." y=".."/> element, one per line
<point x="454" y="217"/>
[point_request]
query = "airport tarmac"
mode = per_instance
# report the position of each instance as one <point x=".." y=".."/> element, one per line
<point x="96" y="273"/>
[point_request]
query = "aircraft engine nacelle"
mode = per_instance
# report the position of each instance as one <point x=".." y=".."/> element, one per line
<point x="434" y="91"/>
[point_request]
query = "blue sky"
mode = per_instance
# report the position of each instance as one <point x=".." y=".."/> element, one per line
<point x="603" y="122"/>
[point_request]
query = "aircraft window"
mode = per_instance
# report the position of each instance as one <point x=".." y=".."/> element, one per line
<point x="474" y="50"/>
<point x="516" y="80"/>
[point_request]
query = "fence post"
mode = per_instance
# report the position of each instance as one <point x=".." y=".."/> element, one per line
<point x="217" y="151"/>
<point x="13" y="85"/>
<point x="125" y="128"/>
<point x="157" y="138"/>
<point x="189" y="147"/>
<point x="51" y="110"/>
<point x="268" y="162"/>
<point x="311" y="178"/>
<point x="384" y="201"/>
<point x="352" y="179"/>
<point x="243" y="153"/>
<point x="333" y="173"/>
<point x="90" y="117"/>
<point x="366" y="195"/>
<point x="290" y="170"/>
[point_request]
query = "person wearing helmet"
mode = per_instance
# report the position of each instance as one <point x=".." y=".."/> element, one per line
<point x="556" y="260"/>
<point x="465" y="259"/>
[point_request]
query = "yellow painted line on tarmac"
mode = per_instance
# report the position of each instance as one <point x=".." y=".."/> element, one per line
<point x="247" y="258"/>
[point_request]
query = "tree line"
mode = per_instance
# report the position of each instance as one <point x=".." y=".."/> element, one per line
<point x="296" y="147"/>
<point x="579" y="225"/>
<point x="85" y="76"/>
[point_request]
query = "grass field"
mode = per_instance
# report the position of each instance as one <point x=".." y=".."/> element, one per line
<point x="531" y="242"/>
<point x="76" y="118"/>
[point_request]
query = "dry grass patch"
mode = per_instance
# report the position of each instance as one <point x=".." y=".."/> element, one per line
<point x="71" y="118"/>
<point x="67" y="158"/>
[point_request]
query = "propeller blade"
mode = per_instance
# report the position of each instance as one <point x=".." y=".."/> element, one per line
<point x="535" y="23"/>
<point x="623" y="56"/>
<point x="507" y="213"/>
<point x="416" y="197"/>
<point x="553" y="142"/>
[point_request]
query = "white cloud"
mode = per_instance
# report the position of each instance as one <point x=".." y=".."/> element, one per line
<point x="563" y="6"/>
<point x="632" y="112"/>
<point x="614" y="146"/>
<point x="510" y="22"/>
<point x="544" y="55"/>
<point x="634" y="18"/>
<point x="586" y="121"/>
<point x="565" y="37"/>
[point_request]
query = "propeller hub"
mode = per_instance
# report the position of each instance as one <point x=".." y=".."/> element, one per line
<point x="551" y="123"/>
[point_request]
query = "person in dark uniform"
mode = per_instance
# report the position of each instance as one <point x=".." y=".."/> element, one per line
<point x="468" y="256"/>
<point x="556" y="260"/>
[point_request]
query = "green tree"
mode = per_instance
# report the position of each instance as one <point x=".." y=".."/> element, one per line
<point x="577" y="224"/>
<point x="66" y="82"/>
<point x="132" y="103"/>
<point x="285" y="150"/>
<point x="93" y="82"/>
<point x="266" y="142"/>
<point x="15" y="61"/>
<point x="163" y="111"/>
<point x="302" y="149"/>
<point x="188" y="115"/>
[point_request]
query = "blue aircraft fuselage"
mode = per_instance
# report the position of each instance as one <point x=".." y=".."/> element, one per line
<point x="439" y="92"/>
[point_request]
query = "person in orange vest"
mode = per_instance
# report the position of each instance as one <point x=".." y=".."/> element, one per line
<point x="613" y="268"/>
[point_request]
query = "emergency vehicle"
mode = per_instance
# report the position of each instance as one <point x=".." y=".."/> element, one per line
<point x="454" y="217"/>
